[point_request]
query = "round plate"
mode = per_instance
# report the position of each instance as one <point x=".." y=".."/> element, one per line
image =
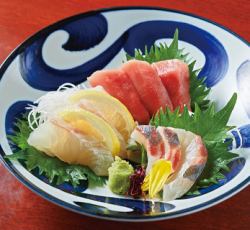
<point x="70" y="50"/>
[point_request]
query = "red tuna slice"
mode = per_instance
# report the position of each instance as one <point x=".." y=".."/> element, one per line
<point x="174" y="75"/>
<point x="118" y="84"/>
<point x="148" y="85"/>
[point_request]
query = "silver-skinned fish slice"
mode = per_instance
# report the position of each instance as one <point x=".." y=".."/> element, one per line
<point x="194" y="158"/>
<point x="160" y="143"/>
<point x="172" y="145"/>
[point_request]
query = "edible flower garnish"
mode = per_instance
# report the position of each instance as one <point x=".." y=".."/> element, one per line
<point x="156" y="178"/>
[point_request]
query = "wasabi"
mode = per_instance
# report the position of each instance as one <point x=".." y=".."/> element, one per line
<point x="119" y="174"/>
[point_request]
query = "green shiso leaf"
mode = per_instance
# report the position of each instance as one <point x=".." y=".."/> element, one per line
<point x="54" y="169"/>
<point x="212" y="127"/>
<point x="198" y="89"/>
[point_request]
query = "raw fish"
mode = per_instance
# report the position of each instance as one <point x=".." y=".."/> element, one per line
<point x="174" y="75"/>
<point x="118" y="84"/>
<point x="160" y="143"/>
<point x="148" y="85"/>
<point x="194" y="158"/>
<point x="184" y="149"/>
<point x="172" y="143"/>
<point x="58" y="140"/>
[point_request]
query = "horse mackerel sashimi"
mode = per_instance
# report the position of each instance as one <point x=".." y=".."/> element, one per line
<point x="184" y="149"/>
<point x="194" y="158"/>
<point x="117" y="83"/>
<point x="160" y="143"/>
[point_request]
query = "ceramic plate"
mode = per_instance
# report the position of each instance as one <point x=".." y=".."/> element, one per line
<point x="70" y="50"/>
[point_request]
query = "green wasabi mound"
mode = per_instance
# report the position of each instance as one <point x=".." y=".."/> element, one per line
<point x="119" y="174"/>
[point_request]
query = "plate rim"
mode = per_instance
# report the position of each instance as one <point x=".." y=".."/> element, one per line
<point x="9" y="166"/>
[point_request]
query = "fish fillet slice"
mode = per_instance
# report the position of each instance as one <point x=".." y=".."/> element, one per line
<point x="148" y="85"/>
<point x="160" y="143"/>
<point x="71" y="147"/>
<point x="194" y="157"/>
<point x="174" y="75"/>
<point x="119" y="85"/>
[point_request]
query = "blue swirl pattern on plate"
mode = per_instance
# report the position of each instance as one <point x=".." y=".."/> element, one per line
<point x="138" y="206"/>
<point x="242" y="136"/>
<point x="85" y="33"/>
<point x="41" y="76"/>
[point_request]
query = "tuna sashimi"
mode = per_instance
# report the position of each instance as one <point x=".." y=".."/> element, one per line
<point x="148" y="85"/>
<point x="174" y="75"/>
<point x="119" y="85"/>
<point x="194" y="158"/>
<point x="160" y="143"/>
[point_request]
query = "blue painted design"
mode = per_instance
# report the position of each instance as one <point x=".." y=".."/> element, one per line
<point x="139" y="206"/>
<point x="41" y="76"/>
<point x="85" y="33"/>
<point x="236" y="138"/>
<point x="245" y="136"/>
<point x="243" y="140"/>
<point x="15" y="112"/>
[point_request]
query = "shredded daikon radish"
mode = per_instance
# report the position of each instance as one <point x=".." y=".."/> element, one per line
<point x="48" y="105"/>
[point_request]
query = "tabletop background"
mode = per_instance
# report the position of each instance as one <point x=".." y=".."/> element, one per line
<point x="19" y="207"/>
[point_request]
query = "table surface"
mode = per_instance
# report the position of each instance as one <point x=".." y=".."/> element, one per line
<point x="22" y="209"/>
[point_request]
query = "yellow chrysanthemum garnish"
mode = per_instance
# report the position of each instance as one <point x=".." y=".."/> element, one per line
<point x="157" y="176"/>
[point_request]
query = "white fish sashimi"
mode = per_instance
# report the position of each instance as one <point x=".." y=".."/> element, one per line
<point x="73" y="148"/>
<point x="194" y="158"/>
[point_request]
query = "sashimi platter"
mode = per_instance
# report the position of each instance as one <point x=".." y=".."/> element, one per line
<point x="130" y="114"/>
